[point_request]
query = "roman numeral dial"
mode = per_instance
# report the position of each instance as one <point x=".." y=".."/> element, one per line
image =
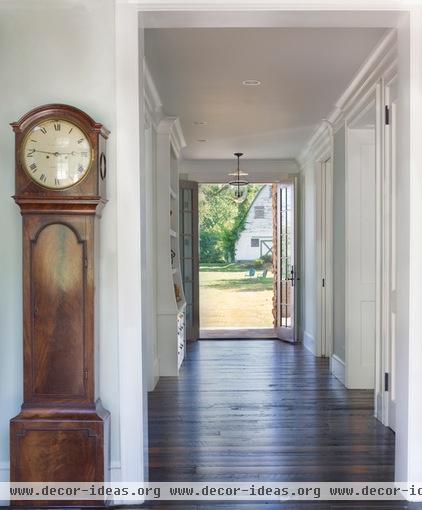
<point x="56" y="154"/>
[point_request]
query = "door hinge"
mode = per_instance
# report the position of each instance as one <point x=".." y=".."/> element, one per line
<point x="387" y="115"/>
<point x="323" y="282"/>
<point x="386" y="381"/>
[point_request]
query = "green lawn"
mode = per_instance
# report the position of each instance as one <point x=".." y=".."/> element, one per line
<point x="229" y="299"/>
<point x="246" y="283"/>
<point x="223" y="268"/>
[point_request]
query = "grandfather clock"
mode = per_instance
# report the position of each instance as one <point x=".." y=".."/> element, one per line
<point x="62" y="431"/>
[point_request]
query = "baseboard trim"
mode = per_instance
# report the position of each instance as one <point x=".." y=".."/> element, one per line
<point x="115" y="472"/>
<point x="338" y="368"/>
<point x="4" y="471"/>
<point x="156" y="372"/>
<point x="309" y="342"/>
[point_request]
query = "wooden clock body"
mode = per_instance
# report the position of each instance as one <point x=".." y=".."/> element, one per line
<point x="62" y="431"/>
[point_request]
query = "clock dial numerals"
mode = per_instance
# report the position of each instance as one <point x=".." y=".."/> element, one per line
<point x="56" y="154"/>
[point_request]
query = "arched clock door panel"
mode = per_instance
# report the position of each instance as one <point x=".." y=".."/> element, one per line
<point x="58" y="296"/>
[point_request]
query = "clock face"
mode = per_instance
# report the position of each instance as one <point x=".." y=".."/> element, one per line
<point x="56" y="154"/>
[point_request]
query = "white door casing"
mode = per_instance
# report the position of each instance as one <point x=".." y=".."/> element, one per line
<point x="389" y="273"/>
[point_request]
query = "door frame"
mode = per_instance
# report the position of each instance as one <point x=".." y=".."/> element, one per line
<point x="132" y="416"/>
<point x="193" y="334"/>
<point x="385" y="397"/>
<point x="374" y="95"/>
<point x="324" y="255"/>
<point x="383" y="297"/>
<point x="324" y="307"/>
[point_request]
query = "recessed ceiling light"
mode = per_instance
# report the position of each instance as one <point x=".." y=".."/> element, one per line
<point x="201" y="140"/>
<point x="251" y="83"/>
<point x="199" y="122"/>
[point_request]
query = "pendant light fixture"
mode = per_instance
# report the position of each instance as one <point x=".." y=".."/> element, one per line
<point x="240" y="184"/>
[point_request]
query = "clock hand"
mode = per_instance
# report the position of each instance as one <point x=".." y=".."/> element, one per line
<point x="45" y="152"/>
<point x="55" y="153"/>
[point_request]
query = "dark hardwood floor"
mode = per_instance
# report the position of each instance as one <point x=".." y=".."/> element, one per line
<point x="264" y="411"/>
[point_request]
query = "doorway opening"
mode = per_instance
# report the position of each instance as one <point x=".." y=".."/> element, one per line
<point x="236" y="261"/>
<point x="247" y="270"/>
<point x="194" y="118"/>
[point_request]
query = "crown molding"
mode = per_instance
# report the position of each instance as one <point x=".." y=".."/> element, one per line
<point x="165" y="125"/>
<point x="382" y="57"/>
<point x="153" y="103"/>
<point x="162" y="123"/>
<point x="267" y="5"/>
<point x="177" y="137"/>
<point x="171" y="126"/>
<point x="381" y="62"/>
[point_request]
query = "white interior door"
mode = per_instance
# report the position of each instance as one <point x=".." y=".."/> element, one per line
<point x="285" y="263"/>
<point x="390" y="249"/>
<point x="360" y="258"/>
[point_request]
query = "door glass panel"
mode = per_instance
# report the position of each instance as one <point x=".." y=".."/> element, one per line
<point x="187" y="274"/>
<point x="188" y="291"/>
<point x="286" y="261"/>
<point x="189" y="315"/>
<point x="187" y="199"/>
<point x="187" y="221"/>
<point x="187" y="246"/>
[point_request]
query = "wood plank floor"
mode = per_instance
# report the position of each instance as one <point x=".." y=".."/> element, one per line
<point x="264" y="411"/>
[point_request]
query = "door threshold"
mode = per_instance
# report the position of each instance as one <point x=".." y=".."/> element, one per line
<point x="238" y="334"/>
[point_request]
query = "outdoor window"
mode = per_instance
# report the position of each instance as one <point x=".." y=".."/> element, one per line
<point x="259" y="212"/>
<point x="254" y="243"/>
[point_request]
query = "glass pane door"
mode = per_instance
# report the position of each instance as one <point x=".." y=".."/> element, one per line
<point x="286" y="271"/>
<point x="189" y="256"/>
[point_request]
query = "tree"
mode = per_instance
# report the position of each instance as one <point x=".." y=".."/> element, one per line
<point x="221" y="221"/>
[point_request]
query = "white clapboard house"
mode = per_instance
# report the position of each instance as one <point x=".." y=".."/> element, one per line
<point x="256" y="240"/>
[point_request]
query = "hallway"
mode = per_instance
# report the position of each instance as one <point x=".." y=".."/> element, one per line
<point x="263" y="410"/>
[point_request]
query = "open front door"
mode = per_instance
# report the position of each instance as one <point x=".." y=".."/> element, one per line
<point x="284" y="260"/>
<point x="189" y="254"/>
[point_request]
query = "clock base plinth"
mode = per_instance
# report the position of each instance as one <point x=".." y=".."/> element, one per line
<point x="60" y="445"/>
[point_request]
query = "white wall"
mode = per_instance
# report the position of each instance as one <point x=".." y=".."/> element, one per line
<point x="256" y="228"/>
<point x="61" y="54"/>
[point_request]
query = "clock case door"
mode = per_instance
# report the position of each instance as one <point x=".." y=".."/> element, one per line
<point x="61" y="433"/>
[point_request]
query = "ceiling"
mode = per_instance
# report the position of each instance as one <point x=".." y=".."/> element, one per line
<point x="198" y="73"/>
